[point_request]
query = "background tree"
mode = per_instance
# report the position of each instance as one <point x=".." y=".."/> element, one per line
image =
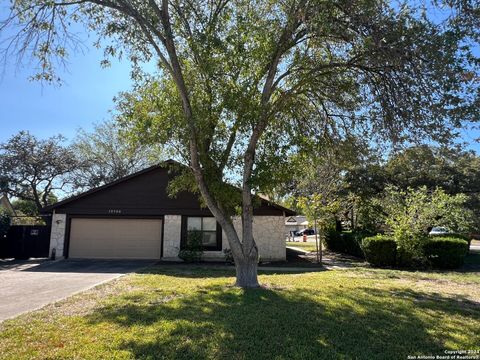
<point x="453" y="169"/>
<point x="244" y="83"/>
<point x="320" y="212"/>
<point x="105" y="156"/>
<point x="28" y="207"/>
<point x="32" y="169"/>
<point x="411" y="213"/>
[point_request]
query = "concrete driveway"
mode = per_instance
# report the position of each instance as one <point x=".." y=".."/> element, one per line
<point x="29" y="285"/>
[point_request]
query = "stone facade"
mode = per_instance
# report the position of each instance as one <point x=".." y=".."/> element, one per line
<point x="57" y="236"/>
<point x="171" y="236"/>
<point x="268" y="232"/>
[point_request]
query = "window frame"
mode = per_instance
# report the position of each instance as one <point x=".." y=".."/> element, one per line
<point x="184" y="233"/>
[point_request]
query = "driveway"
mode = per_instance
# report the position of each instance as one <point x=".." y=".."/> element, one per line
<point x="29" y="285"/>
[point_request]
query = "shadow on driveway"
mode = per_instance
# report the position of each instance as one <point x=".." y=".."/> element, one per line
<point x="91" y="266"/>
<point x="76" y="265"/>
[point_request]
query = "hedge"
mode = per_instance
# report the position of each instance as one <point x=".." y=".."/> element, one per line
<point x="334" y="241"/>
<point x="446" y="253"/>
<point x="347" y="242"/>
<point x="380" y="250"/>
<point x="456" y="236"/>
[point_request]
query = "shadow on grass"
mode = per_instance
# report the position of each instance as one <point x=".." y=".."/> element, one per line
<point x="186" y="270"/>
<point x="204" y="271"/>
<point x="223" y="322"/>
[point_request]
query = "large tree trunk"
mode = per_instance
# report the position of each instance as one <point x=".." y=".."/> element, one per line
<point x="245" y="252"/>
<point x="246" y="271"/>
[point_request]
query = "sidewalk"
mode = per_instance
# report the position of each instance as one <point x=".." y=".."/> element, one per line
<point x="330" y="260"/>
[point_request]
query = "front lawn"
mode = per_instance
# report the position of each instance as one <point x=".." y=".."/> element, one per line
<point x="308" y="246"/>
<point x="193" y="313"/>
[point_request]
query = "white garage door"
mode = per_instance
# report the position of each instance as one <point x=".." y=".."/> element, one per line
<point x="115" y="238"/>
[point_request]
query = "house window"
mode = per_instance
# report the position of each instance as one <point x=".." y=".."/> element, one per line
<point x="208" y="226"/>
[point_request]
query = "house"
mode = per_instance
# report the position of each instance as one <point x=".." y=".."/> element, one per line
<point x="6" y="205"/>
<point x="134" y="218"/>
<point x="295" y="223"/>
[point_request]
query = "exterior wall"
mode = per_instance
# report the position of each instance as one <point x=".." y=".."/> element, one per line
<point x="57" y="236"/>
<point x="171" y="236"/>
<point x="269" y="234"/>
<point x="267" y="230"/>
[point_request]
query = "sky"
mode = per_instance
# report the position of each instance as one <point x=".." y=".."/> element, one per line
<point x="85" y="98"/>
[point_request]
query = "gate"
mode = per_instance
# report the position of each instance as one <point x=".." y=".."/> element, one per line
<point x="26" y="241"/>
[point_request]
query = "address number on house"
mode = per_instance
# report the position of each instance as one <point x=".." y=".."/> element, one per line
<point x="114" y="211"/>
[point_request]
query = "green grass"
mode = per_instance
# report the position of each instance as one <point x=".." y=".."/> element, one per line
<point x="195" y="313"/>
<point x="308" y="246"/>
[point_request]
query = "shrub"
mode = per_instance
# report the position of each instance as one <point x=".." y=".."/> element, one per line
<point x="193" y="249"/>
<point x="4" y="222"/>
<point x="380" y="250"/>
<point x="353" y="241"/>
<point x="228" y="256"/>
<point x="348" y="242"/>
<point x="410" y="250"/>
<point x="446" y="253"/>
<point x="334" y="241"/>
<point x="463" y="237"/>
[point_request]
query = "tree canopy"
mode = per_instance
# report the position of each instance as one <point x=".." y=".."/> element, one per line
<point x="32" y="169"/>
<point x="244" y="83"/>
<point x="104" y="155"/>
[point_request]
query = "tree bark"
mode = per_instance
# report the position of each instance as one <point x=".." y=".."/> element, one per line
<point x="246" y="272"/>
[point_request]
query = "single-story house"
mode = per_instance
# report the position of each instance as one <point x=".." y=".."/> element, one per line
<point x="295" y="223"/>
<point x="134" y="218"/>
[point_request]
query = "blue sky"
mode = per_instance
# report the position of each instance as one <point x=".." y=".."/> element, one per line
<point x="84" y="98"/>
<point x="45" y="110"/>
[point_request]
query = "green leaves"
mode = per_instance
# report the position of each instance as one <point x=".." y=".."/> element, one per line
<point x="33" y="169"/>
<point x="244" y="85"/>
<point x="413" y="212"/>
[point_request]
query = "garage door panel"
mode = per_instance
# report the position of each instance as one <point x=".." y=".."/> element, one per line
<point x="115" y="238"/>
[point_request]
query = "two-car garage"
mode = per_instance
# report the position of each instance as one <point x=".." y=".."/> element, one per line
<point x="115" y="238"/>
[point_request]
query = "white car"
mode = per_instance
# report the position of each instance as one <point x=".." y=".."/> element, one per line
<point x="439" y="230"/>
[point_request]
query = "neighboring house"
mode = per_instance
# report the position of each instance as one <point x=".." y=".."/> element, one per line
<point x="5" y="204"/>
<point x="295" y="223"/>
<point x="134" y="218"/>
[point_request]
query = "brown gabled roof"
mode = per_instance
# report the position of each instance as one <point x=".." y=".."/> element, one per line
<point x="164" y="164"/>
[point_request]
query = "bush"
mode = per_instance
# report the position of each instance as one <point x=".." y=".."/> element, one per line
<point x="410" y="250"/>
<point x="193" y="249"/>
<point x="347" y="242"/>
<point x="446" y="253"/>
<point x="463" y="237"/>
<point x="333" y="241"/>
<point x="353" y="241"/>
<point x="380" y="250"/>
<point x="4" y="222"/>
<point x="228" y="256"/>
